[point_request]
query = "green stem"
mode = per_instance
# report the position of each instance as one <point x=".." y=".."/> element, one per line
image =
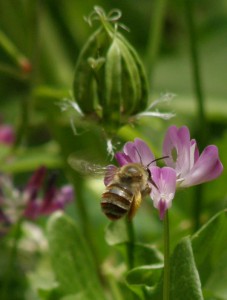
<point x="131" y="243"/>
<point x="166" y="280"/>
<point x="11" y="262"/>
<point x="155" y="35"/>
<point x="202" y="124"/>
<point x="196" y="70"/>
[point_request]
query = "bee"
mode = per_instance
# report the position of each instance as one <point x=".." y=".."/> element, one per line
<point x="124" y="193"/>
<point x="126" y="186"/>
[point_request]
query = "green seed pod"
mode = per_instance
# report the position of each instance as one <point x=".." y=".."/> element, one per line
<point x="110" y="81"/>
<point x="89" y="63"/>
<point x="113" y="85"/>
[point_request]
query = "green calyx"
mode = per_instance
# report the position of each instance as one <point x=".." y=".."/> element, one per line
<point x="110" y="84"/>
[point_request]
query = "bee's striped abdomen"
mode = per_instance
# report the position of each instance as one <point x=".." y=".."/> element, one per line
<point x="116" y="201"/>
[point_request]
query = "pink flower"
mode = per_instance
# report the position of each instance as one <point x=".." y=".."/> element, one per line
<point x="163" y="189"/>
<point x="7" y="135"/>
<point x="136" y="152"/>
<point x="162" y="181"/>
<point x="39" y="197"/>
<point x="183" y="156"/>
<point x="52" y="200"/>
<point x="184" y="166"/>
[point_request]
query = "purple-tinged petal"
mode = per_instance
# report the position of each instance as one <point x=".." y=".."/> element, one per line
<point x="194" y="151"/>
<point x="131" y="151"/>
<point x="122" y="158"/>
<point x="207" y="167"/>
<point x="164" y="188"/>
<point x="110" y="173"/>
<point x="7" y="135"/>
<point x="32" y="210"/>
<point x="60" y="199"/>
<point x="35" y="182"/>
<point x="177" y="147"/>
<point x="66" y="194"/>
<point x="144" y="151"/>
<point x="137" y="152"/>
<point x="162" y="207"/>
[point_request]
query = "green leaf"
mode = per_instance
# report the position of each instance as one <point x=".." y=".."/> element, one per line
<point x="71" y="259"/>
<point x="143" y="254"/>
<point x="142" y="279"/>
<point x="116" y="233"/>
<point x="210" y="251"/>
<point x="184" y="278"/>
<point x="185" y="281"/>
<point x="80" y="296"/>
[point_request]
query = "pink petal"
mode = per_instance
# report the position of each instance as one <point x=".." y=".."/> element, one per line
<point x="7" y="135"/>
<point x="162" y="207"/>
<point x="139" y="152"/>
<point x="36" y="180"/>
<point x="131" y="151"/>
<point x="176" y="145"/>
<point x="122" y="158"/>
<point x="164" y="191"/>
<point x="57" y="200"/>
<point x="32" y="210"/>
<point x="145" y="153"/>
<point x="207" y="167"/>
<point x="196" y="150"/>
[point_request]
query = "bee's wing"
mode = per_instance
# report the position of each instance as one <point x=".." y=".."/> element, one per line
<point x="87" y="168"/>
<point x="111" y="171"/>
<point x="137" y="198"/>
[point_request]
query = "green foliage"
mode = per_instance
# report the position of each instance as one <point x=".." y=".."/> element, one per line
<point x="72" y="263"/>
<point x="47" y="54"/>
<point x="109" y="81"/>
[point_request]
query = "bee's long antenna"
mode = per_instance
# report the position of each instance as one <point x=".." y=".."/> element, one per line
<point x="157" y="160"/>
<point x="139" y="156"/>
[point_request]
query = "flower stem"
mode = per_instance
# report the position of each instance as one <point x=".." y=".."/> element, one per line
<point x="166" y="280"/>
<point x="196" y="70"/>
<point x="11" y="262"/>
<point x="202" y="125"/>
<point x="155" y="35"/>
<point x="131" y="242"/>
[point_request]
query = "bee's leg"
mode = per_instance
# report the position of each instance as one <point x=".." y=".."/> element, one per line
<point x="135" y="205"/>
<point x="146" y="191"/>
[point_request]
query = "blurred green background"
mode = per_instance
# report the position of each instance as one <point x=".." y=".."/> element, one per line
<point x="50" y="34"/>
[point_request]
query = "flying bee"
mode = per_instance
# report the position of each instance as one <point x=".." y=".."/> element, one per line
<point x="126" y="186"/>
<point x="124" y="193"/>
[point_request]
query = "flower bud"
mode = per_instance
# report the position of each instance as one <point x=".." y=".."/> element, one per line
<point x="109" y="82"/>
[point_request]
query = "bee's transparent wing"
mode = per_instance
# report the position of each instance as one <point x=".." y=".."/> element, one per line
<point x="87" y="168"/>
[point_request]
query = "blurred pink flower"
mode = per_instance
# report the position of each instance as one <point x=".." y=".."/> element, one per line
<point x="7" y="134"/>
<point x="34" y="200"/>
<point x="53" y="198"/>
